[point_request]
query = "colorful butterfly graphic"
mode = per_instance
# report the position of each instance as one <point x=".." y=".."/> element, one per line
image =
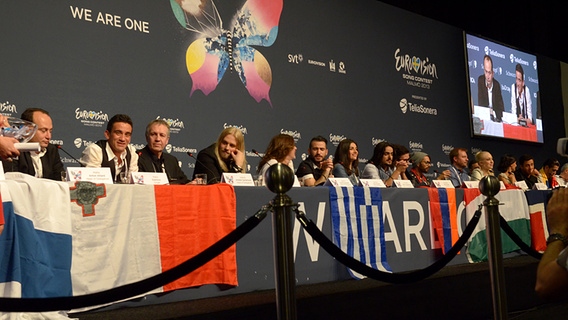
<point x="218" y="49"/>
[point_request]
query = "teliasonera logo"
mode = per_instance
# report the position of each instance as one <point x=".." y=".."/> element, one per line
<point x="175" y="125"/>
<point x="81" y="143"/>
<point x="241" y="127"/>
<point x="294" y="134"/>
<point x="335" y="139"/>
<point x="91" y="118"/>
<point x="407" y="106"/>
<point x="168" y="148"/>
<point x="182" y="149"/>
<point x="7" y="107"/>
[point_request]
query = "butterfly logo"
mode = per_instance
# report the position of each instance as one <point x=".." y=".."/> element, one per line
<point x="218" y="49"/>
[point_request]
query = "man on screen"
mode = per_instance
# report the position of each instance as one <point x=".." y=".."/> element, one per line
<point x="489" y="91"/>
<point x="521" y="104"/>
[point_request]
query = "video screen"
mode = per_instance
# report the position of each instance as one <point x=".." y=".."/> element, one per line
<point x="504" y="91"/>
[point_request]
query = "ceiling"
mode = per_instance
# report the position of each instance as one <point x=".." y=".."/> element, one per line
<point x="538" y="28"/>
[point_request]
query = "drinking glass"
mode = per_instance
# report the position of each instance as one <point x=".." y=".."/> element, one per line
<point x="20" y="129"/>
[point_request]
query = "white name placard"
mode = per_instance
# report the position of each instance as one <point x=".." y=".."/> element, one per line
<point x="373" y="183"/>
<point x="471" y="184"/>
<point x="296" y="182"/>
<point x="338" y="182"/>
<point x="403" y="184"/>
<point x="522" y="185"/>
<point x="155" y="178"/>
<point x="238" y="179"/>
<point x="443" y="184"/>
<point x="540" y="186"/>
<point x="98" y="175"/>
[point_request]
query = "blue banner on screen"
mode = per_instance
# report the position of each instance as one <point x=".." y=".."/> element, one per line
<point x="504" y="91"/>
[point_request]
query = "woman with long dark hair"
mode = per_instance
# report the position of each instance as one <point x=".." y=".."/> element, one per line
<point x="281" y="149"/>
<point x="346" y="161"/>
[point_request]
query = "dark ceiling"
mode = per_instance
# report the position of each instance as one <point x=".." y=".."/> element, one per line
<point x="537" y="27"/>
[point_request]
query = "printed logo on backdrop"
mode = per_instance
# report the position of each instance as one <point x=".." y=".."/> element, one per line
<point x="417" y="72"/>
<point x="415" y="146"/>
<point x="175" y="125"/>
<point x="7" y="107"/>
<point x="407" y="106"/>
<point x="442" y="165"/>
<point x="446" y="149"/>
<point x="171" y="148"/>
<point x="375" y="141"/>
<point x="91" y="118"/>
<point x="294" y="134"/>
<point x="217" y="49"/>
<point x="335" y="139"/>
<point x="241" y="127"/>
<point x="80" y="143"/>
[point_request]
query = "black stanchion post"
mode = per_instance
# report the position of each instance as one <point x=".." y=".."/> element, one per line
<point x="279" y="179"/>
<point x="489" y="187"/>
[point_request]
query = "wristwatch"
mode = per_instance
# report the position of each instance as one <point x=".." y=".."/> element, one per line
<point x="557" y="237"/>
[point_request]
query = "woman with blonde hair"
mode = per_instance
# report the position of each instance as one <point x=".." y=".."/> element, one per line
<point x="225" y="155"/>
<point x="485" y="160"/>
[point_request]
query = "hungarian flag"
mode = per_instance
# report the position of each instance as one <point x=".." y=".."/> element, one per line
<point x="357" y="222"/>
<point x="64" y="240"/>
<point x="513" y="208"/>
<point x="539" y="229"/>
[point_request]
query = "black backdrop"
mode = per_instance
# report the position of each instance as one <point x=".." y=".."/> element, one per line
<point x="84" y="72"/>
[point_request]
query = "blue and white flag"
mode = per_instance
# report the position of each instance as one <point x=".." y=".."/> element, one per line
<point x="358" y="229"/>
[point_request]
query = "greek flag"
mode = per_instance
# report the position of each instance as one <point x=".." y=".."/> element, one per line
<point x="357" y="222"/>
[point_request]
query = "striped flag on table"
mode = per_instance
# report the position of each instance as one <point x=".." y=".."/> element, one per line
<point x="357" y="222"/>
<point x="443" y="210"/>
<point x="51" y="246"/>
<point x="514" y="210"/>
<point x="539" y="229"/>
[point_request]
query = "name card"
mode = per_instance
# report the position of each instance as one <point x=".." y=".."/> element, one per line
<point x="373" y="183"/>
<point x="2" y="177"/>
<point x="97" y="175"/>
<point x="502" y="184"/>
<point x="540" y="186"/>
<point x="238" y="179"/>
<point x="154" y="178"/>
<point x="443" y="184"/>
<point x="338" y="182"/>
<point x="296" y="182"/>
<point x="522" y="185"/>
<point x="471" y="184"/>
<point x="402" y="184"/>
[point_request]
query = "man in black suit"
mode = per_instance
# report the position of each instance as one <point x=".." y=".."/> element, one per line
<point x="46" y="163"/>
<point x="153" y="158"/>
<point x="489" y="90"/>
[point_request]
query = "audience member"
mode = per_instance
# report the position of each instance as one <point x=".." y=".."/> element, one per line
<point x="521" y="103"/>
<point x="552" y="271"/>
<point x="315" y="170"/>
<point x="225" y="155"/>
<point x="458" y="169"/>
<point x="115" y="152"/>
<point x="346" y="161"/>
<point x="548" y="172"/>
<point x="421" y="164"/>
<point x="507" y="166"/>
<point x="281" y="149"/>
<point x="562" y="178"/>
<point x="489" y="90"/>
<point x="152" y="157"/>
<point x="485" y="160"/>
<point x="43" y="164"/>
<point x="526" y="171"/>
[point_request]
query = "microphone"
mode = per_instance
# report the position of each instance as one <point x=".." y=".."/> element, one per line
<point x="256" y="152"/>
<point x="67" y="153"/>
<point x="213" y="175"/>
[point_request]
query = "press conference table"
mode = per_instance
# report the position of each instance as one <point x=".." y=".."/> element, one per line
<point x="409" y="242"/>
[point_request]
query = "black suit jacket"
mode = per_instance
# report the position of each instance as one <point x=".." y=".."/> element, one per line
<point x="148" y="162"/>
<point x="497" y="97"/>
<point x="51" y="164"/>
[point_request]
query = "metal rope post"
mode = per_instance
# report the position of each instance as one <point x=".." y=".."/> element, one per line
<point x="279" y="179"/>
<point x="489" y="187"/>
